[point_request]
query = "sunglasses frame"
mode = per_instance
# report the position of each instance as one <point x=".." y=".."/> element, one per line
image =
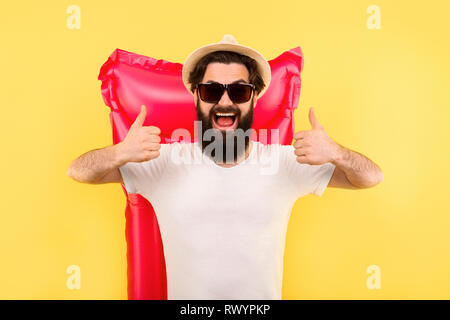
<point x="224" y="87"/>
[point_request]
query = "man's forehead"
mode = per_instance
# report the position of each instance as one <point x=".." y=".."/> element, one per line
<point x="226" y="73"/>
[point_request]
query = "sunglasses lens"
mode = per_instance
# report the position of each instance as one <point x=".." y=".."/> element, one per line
<point x="240" y="93"/>
<point x="211" y="92"/>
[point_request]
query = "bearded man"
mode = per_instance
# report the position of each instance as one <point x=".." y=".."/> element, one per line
<point x="223" y="219"/>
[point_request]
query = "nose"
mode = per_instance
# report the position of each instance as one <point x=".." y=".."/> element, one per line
<point x="225" y="99"/>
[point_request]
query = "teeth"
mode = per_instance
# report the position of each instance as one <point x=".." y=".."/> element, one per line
<point x="224" y="114"/>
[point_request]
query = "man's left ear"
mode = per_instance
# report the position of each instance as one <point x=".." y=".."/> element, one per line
<point x="255" y="99"/>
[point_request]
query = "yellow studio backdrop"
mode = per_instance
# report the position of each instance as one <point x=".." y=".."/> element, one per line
<point x="379" y="91"/>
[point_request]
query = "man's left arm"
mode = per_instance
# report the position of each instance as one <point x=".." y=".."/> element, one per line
<point x="353" y="170"/>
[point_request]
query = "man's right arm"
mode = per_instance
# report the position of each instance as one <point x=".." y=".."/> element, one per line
<point x="97" y="166"/>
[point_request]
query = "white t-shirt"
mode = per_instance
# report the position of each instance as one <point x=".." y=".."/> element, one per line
<point x="223" y="229"/>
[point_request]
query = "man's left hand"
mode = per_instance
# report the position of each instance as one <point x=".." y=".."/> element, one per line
<point x="315" y="146"/>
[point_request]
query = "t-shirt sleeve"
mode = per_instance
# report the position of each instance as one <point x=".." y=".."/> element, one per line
<point x="144" y="176"/>
<point x="305" y="178"/>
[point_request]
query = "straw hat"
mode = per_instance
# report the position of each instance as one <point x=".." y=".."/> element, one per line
<point x="228" y="43"/>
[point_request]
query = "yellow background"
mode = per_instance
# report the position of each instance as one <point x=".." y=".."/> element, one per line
<point x="381" y="92"/>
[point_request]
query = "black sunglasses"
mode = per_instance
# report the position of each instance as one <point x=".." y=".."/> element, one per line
<point x="238" y="92"/>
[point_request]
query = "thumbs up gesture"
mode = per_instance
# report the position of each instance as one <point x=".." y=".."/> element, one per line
<point x="142" y="143"/>
<point x="315" y="146"/>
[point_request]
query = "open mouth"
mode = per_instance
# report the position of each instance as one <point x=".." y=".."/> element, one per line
<point x="225" y="120"/>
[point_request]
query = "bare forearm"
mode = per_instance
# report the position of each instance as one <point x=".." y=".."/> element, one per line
<point x="359" y="170"/>
<point x="93" y="165"/>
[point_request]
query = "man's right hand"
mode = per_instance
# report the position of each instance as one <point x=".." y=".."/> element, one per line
<point x="142" y="143"/>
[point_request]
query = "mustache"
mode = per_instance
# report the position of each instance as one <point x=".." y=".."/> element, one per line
<point x="222" y="109"/>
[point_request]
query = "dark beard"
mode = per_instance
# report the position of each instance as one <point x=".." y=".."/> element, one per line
<point x="232" y="145"/>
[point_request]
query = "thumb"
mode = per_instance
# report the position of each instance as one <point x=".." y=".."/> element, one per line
<point x="140" y="118"/>
<point x="315" y="124"/>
